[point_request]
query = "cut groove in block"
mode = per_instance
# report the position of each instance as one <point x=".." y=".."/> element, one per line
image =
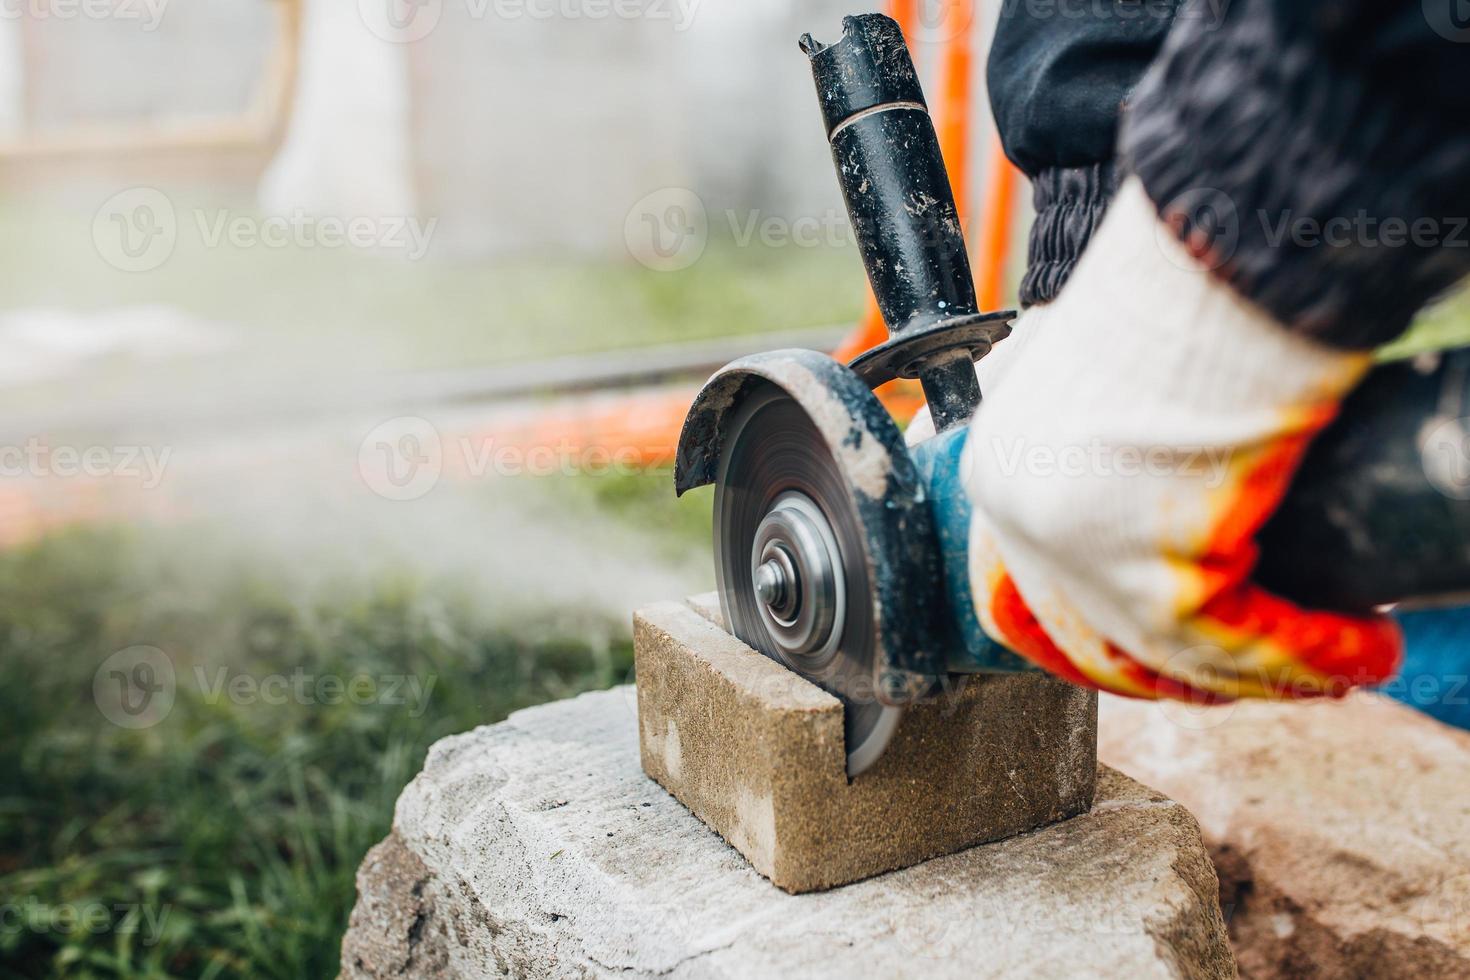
<point x="757" y="753"/>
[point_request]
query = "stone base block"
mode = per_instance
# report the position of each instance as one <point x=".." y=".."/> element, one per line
<point x="1340" y="829"/>
<point x="757" y="753"/>
<point x="537" y="848"/>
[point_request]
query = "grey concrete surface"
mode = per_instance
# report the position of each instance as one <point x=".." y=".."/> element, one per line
<point x="538" y="848"/>
<point x="1339" y="828"/>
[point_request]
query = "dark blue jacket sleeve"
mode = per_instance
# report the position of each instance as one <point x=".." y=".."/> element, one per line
<point x="1059" y="74"/>
<point x="1312" y="152"/>
<point x="1315" y="154"/>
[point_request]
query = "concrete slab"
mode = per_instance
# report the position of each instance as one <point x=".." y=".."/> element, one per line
<point x="1338" y="828"/>
<point x="538" y="848"/>
<point x="757" y="753"/>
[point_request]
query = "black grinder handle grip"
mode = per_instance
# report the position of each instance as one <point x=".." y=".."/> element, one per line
<point x="892" y="174"/>
<point x="903" y="214"/>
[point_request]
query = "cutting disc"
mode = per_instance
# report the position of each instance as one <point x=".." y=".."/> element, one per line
<point x="790" y="562"/>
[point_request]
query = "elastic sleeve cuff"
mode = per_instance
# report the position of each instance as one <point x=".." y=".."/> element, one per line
<point x="1070" y="204"/>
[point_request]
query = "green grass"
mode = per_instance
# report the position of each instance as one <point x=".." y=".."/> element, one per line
<point x="222" y="841"/>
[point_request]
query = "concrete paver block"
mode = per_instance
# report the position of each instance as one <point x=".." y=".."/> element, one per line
<point x="757" y="753"/>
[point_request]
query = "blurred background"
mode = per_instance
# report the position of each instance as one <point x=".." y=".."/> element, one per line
<point x="343" y="345"/>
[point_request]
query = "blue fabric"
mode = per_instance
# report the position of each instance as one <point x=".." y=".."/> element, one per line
<point x="1436" y="674"/>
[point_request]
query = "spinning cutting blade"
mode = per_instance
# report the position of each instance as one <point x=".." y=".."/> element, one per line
<point x="791" y="567"/>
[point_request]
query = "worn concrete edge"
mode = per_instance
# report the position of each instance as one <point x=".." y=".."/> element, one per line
<point x="1195" y="938"/>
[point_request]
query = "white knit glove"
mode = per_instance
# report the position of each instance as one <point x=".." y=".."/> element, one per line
<point x="1145" y="431"/>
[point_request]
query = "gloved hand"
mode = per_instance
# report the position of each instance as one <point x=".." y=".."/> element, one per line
<point x="1120" y="465"/>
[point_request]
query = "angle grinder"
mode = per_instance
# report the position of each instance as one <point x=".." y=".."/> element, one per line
<point x="841" y="553"/>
